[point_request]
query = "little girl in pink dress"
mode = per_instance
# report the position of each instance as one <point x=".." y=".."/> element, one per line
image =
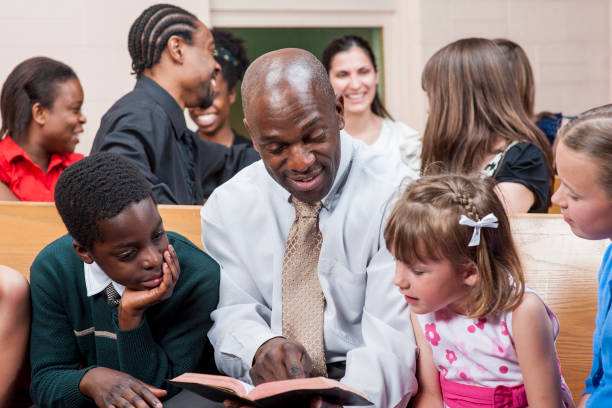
<point x="485" y="340"/>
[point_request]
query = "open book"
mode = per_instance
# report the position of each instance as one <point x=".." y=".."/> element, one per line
<point x="284" y="393"/>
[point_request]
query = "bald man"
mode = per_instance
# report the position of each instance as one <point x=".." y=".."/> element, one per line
<point x="295" y="122"/>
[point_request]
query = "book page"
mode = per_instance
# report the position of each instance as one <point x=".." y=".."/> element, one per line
<point x="275" y="394"/>
<point x="283" y="386"/>
<point x="226" y="383"/>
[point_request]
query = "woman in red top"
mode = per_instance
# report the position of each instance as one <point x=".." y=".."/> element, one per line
<point x="40" y="106"/>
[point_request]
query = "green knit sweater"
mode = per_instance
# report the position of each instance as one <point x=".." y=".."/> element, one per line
<point x="72" y="333"/>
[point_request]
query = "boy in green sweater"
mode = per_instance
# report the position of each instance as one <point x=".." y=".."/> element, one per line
<point x="119" y="305"/>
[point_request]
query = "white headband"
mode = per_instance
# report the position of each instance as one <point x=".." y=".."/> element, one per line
<point x="489" y="221"/>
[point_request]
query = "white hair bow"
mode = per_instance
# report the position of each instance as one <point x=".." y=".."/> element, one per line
<point x="488" y="221"/>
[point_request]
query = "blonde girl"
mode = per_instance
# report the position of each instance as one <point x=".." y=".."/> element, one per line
<point x="484" y="339"/>
<point x="584" y="165"/>
<point x="477" y="123"/>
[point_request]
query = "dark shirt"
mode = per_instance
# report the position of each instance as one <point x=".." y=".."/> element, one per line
<point x="550" y="125"/>
<point x="525" y="164"/>
<point x="239" y="139"/>
<point x="148" y="126"/>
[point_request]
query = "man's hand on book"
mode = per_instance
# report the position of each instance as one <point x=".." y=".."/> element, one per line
<point x="109" y="387"/>
<point x="280" y="359"/>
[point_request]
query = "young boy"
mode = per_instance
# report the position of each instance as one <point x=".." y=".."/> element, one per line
<point x="118" y="305"/>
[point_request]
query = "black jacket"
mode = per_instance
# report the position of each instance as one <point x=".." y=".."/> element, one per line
<point x="148" y="126"/>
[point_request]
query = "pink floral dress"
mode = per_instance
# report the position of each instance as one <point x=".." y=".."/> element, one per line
<point x="477" y="361"/>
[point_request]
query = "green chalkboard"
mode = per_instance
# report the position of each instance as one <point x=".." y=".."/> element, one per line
<point x="258" y="41"/>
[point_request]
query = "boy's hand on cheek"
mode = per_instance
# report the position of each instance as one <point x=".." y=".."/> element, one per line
<point x="135" y="302"/>
<point x="109" y="387"/>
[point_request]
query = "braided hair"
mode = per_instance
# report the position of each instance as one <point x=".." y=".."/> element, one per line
<point x="466" y="202"/>
<point x="231" y="56"/>
<point x="424" y="226"/>
<point x="150" y="32"/>
<point x="95" y="188"/>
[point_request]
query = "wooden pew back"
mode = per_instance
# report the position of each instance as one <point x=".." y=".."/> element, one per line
<point x="559" y="266"/>
<point x="26" y="228"/>
<point x="563" y="268"/>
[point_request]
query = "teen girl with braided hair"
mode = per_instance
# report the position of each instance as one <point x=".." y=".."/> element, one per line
<point x="484" y="339"/>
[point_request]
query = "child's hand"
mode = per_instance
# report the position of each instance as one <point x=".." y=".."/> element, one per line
<point x="135" y="302"/>
<point x="109" y="387"/>
<point x="583" y="400"/>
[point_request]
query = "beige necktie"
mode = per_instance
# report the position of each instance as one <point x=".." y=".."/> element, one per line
<point x="303" y="299"/>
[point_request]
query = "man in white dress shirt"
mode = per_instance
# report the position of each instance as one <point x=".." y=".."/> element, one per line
<point x="295" y="122"/>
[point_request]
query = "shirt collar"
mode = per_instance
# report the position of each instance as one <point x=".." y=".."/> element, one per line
<point x="166" y="101"/>
<point x="346" y="160"/>
<point x="96" y="280"/>
<point x="12" y="150"/>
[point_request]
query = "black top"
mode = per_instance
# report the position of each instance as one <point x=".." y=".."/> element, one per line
<point x="550" y="126"/>
<point x="524" y="163"/>
<point x="148" y="126"/>
<point x="239" y="139"/>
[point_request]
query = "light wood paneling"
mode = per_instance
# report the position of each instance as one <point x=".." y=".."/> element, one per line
<point x="563" y="268"/>
<point x="29" y="227"/>
<point x="559" y="266"/>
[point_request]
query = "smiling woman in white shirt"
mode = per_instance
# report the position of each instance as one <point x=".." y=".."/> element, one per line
<point x="351" y="65"/>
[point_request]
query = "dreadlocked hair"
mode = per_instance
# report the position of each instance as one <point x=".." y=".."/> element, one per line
<point x="150" y="32"/>
<point x="424" y="226"/>
<point x="96" y="188"/>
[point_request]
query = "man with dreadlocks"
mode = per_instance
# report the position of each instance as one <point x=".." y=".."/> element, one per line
<point x="173" y="60"/>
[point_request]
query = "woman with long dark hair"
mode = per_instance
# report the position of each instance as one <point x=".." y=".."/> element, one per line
<point x="351" y="65"/>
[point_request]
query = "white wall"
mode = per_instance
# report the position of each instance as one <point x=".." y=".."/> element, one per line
<point x="568" y="41"/>
<point x="90" y="36"/>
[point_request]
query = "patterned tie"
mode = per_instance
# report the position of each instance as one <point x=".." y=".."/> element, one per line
<point x="112" y="297"/>
<point x="303" y="299"/>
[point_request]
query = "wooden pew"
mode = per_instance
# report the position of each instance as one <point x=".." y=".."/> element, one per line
<point x="26" y="228"/>
<point x="563" y="268"/>
<point x="559" y="266"/>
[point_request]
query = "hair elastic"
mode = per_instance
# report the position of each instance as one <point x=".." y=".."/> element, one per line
<point x="226" y="55"/>
<point x="488" y="221"/>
